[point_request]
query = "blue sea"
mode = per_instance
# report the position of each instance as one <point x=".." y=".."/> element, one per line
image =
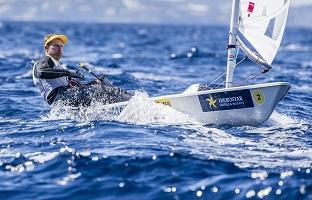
<point x="151" y="151"/>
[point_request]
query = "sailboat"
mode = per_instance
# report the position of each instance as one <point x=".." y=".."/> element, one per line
<point x="256" y="28"/>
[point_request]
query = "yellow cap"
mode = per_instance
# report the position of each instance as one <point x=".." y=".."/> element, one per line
<point x="50" y="37"/>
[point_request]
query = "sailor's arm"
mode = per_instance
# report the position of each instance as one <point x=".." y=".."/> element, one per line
<point x="45" y="69"/>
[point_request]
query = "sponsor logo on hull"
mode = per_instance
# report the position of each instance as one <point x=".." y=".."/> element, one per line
<point x="164" y="101"/>
<point x="226" y="100"/>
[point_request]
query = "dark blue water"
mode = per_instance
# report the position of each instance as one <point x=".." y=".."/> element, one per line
<point x="149" y="151"/>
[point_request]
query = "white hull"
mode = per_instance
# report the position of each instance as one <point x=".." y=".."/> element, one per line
<point x="238" y="106"/>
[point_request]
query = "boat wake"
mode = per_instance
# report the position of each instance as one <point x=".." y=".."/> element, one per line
<point x="279" y="142"/>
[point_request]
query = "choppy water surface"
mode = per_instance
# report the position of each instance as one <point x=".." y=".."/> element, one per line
<point x="149" y="151"/>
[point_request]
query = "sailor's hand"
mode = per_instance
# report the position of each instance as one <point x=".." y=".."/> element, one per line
<point x="76" y="74"/>
<point x="97" y="81"/>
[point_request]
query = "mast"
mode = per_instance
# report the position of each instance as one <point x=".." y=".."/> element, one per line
<point x="232" y="49"/>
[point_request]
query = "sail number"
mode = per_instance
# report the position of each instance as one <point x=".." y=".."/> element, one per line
<point x="258" y="97"/>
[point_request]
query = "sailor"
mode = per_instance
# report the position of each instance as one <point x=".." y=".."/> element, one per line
<point x="57" y="83"/>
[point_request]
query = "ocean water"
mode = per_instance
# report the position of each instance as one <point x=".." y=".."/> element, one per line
<point x="149" y="151"/>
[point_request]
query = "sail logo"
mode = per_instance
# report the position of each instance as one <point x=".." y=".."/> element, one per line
<point x="250" y="9"/>
<point x="226" y="100"/>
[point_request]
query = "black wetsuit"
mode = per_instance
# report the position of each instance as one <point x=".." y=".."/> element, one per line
<point x="54" y="84"/>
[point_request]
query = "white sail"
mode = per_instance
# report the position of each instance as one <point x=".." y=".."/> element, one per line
<point x="262" y="23"/>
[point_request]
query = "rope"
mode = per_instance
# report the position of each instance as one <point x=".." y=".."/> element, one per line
<point x="251" y="77"/>
<point x="216" y="79"/>
<point x="239" y="62"/>
<point x="222" y="83"/>
<point x="265" y="70"/>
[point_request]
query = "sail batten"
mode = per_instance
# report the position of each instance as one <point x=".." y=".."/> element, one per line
<point x="262" y="23"/>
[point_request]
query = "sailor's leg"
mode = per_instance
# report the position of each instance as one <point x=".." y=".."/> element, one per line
<point x="83" y="95"/>
<point x="75" y="96"/>
<point x="109" y="93"/>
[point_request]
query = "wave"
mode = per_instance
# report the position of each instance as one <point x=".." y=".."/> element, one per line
<point x="295" y="47"/>
<point x="153" y="77"/>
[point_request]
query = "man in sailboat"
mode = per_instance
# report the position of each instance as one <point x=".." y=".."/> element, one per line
<point x="58" y="84"/>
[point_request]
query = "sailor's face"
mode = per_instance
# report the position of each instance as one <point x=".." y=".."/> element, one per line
<point x="55" y="49"/>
